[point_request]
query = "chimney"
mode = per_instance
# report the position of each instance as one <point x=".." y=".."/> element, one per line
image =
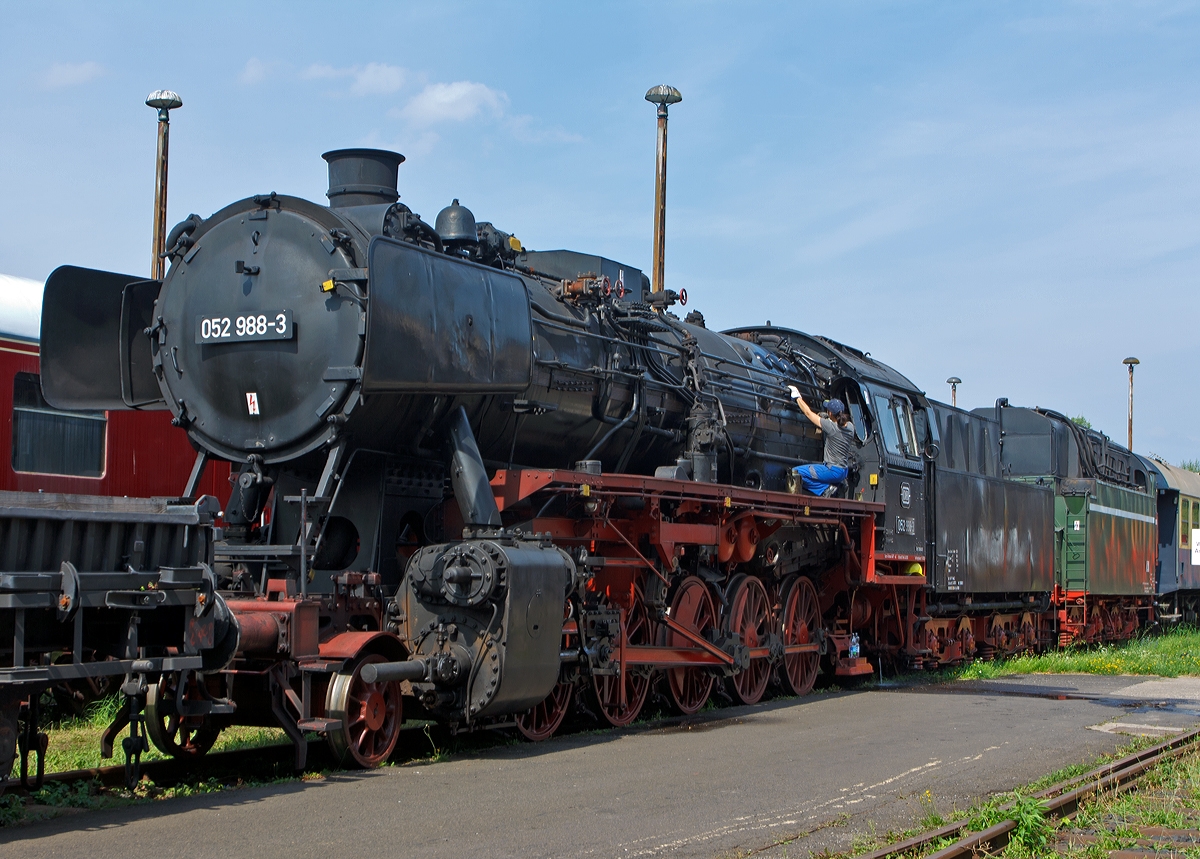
<point x="362" y="177"/>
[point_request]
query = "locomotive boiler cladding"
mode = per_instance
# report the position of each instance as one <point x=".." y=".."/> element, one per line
<point x="285" y="329"/>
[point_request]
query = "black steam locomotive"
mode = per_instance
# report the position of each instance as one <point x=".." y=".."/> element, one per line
<point x="485" y="480"/>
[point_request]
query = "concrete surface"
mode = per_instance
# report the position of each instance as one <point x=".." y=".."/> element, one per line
<point x="786" y="778"/>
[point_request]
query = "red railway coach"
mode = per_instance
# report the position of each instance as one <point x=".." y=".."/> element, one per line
<point x="130" y="453"/>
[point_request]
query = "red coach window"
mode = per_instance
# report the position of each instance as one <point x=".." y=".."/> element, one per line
<point x="46" y="440"/>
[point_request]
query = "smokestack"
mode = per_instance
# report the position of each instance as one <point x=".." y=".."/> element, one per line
<point x="362" y="177"/>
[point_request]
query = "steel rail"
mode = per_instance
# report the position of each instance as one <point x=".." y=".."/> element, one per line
<point x="1061" y="800"/>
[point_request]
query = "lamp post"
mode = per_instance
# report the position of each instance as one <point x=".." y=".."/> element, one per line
<point x="954" y="382"/>
<point x="164" y="101"/>
<point x="663" y="96"/>
<point x="1131" y="363"/>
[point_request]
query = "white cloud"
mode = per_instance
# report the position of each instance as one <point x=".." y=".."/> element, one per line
<point x="525" y="128"/>
<point x="377" y="79"/>
<point x="453" y="102"/>
<point x="371" y="79"/>
<point x="255" y="71"/>
<point x="71" y="74"/>
<point x="324" y="71"/>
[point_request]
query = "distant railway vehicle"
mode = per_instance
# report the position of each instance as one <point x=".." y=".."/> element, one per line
<point x="1178" y="571"/>
<point x="83" y="451"/>
<point x="97" y="579"/>
<point x="484" y="484"/>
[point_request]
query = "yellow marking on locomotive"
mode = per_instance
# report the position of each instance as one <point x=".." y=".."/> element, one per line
<point x="328" y="286"/>
<point x="874" y="479"/>
<point x="585" y="490"/>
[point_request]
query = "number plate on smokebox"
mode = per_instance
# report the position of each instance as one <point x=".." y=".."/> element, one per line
<point x="240" y="328"/>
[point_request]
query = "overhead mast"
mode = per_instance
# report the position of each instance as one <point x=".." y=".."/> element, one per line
<point x="663" y="96"/>
<point x="164" y="101"/>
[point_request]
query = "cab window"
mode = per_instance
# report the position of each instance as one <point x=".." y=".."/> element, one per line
<point x="904" y="420"/>
<point x="46" y="440"/>
<point x="896" y="425"/>
<point x="887" y="424"/>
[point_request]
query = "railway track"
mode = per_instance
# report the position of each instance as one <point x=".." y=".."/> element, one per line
<point x="1061" y="801"/>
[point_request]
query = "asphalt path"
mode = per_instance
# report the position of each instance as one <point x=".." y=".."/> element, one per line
<point x="786" y="778"/>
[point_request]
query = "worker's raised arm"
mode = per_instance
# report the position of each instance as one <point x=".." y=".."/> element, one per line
<point x="804" y="407"/>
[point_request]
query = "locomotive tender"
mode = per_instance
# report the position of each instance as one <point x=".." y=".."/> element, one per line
<point x="365" y="372"/>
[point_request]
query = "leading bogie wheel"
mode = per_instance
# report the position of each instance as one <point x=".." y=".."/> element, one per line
<point x="370" y="715"/>
<point x="173" y="734"/>
<point x="801" y="626"/>
<point x="691" y="607"/>
<point x="749" y="617"/>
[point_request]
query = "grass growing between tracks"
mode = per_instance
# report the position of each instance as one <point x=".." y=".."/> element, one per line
<point x="1035" y="834"/>
<point x="75" y="742"/>
<point x="1170" y="654"/>
<point x="1167" y="797"/>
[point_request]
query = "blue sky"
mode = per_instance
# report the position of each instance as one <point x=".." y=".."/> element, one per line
<point x="1006" y="192"/>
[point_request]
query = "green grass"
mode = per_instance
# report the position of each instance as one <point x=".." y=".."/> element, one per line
<point x="75" y="742"/>
<point x="1167" y="796"/>
<point x="1172" y="654"/>
<point x="1033" y="832"/>
<point x="60" y="798"/>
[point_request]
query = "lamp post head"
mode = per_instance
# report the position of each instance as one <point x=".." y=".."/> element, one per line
<point x="164" y="101"/>
<point x="954" y="380"/>
<point x="1131" y="362"/>
<point x="663" y="95"/>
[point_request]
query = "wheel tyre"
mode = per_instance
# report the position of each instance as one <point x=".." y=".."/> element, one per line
<point x="540" y="721"/>
<point x="370" y="714"/>
<point x="637" y="685"/>
<point x="692" y="607"/>
<point x="750" y="617"/>
<point x="171" y="733"/>
<point x="801" y="622"/>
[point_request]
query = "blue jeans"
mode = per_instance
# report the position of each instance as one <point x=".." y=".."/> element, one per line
<point x="818" y="477"/>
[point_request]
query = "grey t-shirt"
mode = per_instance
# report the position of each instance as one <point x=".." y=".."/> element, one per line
<point x="839" y="442"/>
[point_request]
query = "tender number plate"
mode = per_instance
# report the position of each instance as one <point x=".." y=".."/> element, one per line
<point x="249" y="326"/>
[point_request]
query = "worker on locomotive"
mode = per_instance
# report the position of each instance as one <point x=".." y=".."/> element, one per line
<point x="824" y="478"/>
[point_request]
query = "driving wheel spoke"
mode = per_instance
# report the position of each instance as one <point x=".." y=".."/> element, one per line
<point x="631" y="685"/>
<point x="750" y="618"/>
<point x="692" y="607"/>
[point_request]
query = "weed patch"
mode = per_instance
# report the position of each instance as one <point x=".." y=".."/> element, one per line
<point x="1171" y="654"/>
